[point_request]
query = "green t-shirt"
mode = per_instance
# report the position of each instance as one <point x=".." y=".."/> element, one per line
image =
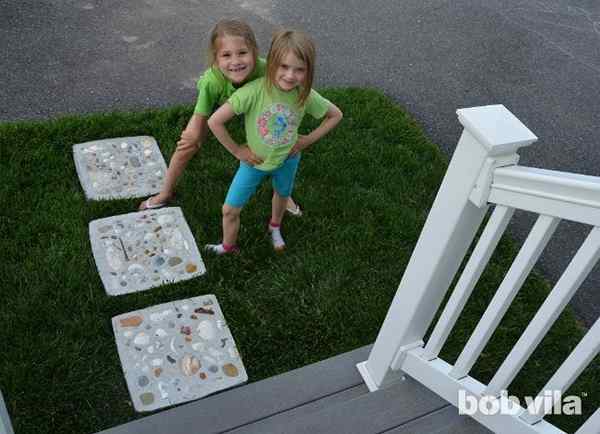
<point x="272" y="119"/>
<point x="214" y="88"/>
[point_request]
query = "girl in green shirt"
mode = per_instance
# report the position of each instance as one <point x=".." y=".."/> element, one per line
<point x="273" y="107"/>
<point x="234" y="61"/>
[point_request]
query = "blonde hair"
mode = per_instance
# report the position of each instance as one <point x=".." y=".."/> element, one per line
<point x="231" y="28"/>
<point x="298" y="43"/>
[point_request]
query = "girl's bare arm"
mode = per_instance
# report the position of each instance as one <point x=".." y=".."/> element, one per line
<point x="333" y="116"/>
<point x="217" y="122"/>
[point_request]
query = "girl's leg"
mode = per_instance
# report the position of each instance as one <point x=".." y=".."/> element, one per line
<point x="243" y="186"/>
<point x="231" y="224"/>
<point x="278" y="206"/>
<point x="283" y="184"/>
<point x="191" y="140"/>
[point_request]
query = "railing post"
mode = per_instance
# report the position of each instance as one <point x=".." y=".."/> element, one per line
<point x="5" y="425"/>
<point x="490" y="139"/>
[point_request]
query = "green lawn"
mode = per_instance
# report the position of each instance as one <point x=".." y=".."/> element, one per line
<point x="366" y="190"/>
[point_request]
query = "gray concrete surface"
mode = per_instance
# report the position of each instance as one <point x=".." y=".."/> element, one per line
<point x="540" y="58"/>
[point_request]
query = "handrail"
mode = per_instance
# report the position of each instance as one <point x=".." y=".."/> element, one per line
<point x="483" y="172"/>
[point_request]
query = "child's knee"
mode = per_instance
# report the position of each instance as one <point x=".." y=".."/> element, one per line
<point x="230" y="212"/>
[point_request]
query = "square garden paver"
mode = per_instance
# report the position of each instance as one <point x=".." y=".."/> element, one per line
<point x="177" y="352"/>
<point x="141" y="250"/>
<point x="119" y="168"/>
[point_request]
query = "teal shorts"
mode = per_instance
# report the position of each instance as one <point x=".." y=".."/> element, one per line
<point x="247" y="179"/>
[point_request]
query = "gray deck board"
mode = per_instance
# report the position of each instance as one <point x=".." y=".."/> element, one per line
<point x="243" y="405"/>
<point x="444" y="421"/>
<point x="325" y="397"/>
<point x="368" y="413"/>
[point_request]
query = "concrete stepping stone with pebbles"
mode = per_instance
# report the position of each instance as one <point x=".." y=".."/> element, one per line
<point x="141" y="250"/>
<point x="119" y="168"/>
<point x="177" y="352"/>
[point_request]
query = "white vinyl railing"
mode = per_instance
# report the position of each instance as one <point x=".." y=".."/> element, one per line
<point x="5" y="425"/>
<point x="482" y="173"/>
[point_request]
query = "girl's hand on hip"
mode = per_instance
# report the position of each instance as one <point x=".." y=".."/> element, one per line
<point x="301" y="144"/>
<point x="246" y="155"/>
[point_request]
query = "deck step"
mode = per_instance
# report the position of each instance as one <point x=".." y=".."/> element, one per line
<point x="243" y="405"/>
<point x="361" y="412"/>
<point x="326" y="397"/>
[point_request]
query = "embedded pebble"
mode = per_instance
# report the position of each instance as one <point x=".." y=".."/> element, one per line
<point x="147" y="398"/>
<point x="191" y="268"/>
<point x="131" y="321"/>
<point x="175" y="261"/>
<point x="213" y="368"/>
<point x="230" y="370"/>
<point x="143" y="381"/>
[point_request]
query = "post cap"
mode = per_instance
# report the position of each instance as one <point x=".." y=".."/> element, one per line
<point x="496" y="128"/>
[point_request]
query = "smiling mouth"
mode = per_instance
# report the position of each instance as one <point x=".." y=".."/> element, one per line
<point x="238" y="69"/>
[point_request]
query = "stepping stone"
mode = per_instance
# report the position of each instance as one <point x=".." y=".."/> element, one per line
<point x="119" y="168"/>
<point x="177" y="352"/>
<point x="141" y="250"/>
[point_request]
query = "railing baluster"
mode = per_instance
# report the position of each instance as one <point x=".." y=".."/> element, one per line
<point x="592" y="425"/>
<point x="475" y="266"/>
<point x="526" y="258"/>
<point x="572" y="278"/>
<point x="578" y="360"/>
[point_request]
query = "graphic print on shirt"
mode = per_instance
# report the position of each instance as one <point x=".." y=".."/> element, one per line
<point x="276" y="125"/>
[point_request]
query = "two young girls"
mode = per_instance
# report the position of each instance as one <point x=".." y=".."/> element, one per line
<point x="273" y="96"/>
<point x="273" y="107"/>
<point x="234" y="61"/>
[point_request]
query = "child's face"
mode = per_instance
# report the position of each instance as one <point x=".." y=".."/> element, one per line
<point x="291" y="73"/>
<point x="234" y="58"/>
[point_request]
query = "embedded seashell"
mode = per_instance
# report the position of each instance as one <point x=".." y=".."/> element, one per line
<point x="104" y="229"/>
<point x="190" y="365"/>
<point x="209" y="360"/>
<point x="131" y="321"/>
<point x="160" y="333"/>
<point x="198" y="346"/>
<point x="159" y="316"/>
<point x="135" y="268"/>
<point x="163" y="390"/>
<point x="164" y="219"/>
<point x="157" y="362"/>
<point x="150" y="349"/>
<point x="124" y="145"/>
<point x="142" y="339"/>
<point x="113" y="257"/>
<point x="206" y="330"/>
<point x="215" y="353"/>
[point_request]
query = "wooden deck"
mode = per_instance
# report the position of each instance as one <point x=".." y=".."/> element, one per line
<point x="325" y="397"/>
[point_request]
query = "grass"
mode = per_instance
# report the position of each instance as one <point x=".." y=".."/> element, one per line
<point x="366" y="189"/>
